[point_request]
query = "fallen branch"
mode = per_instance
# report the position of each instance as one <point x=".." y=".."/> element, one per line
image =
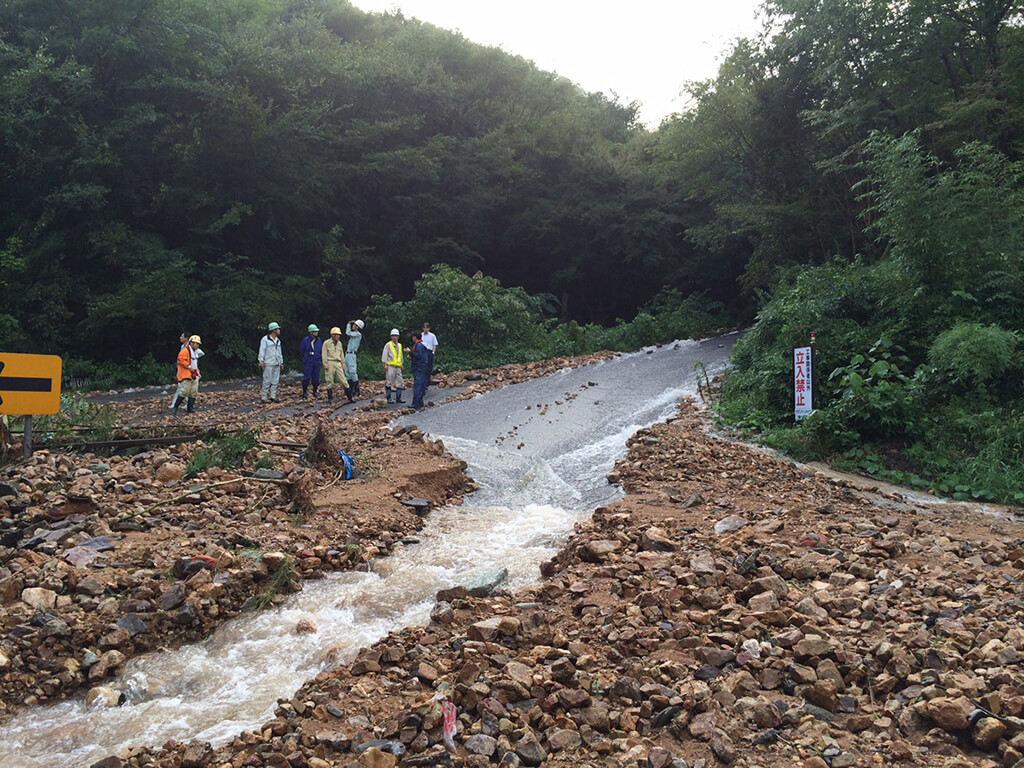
<point x="189" y="492"/>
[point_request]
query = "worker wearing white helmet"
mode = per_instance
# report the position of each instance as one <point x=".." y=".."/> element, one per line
<point x="354" y="331"/>
<point x="392" y="359"/>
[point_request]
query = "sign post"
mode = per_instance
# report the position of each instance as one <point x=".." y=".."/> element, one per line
<point x="29" y="386"/>
<point x="803" y="380"/>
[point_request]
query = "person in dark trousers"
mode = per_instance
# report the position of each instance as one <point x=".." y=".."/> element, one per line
<point x="312" y="360"/>
<point x="419" y="355"/>
<point x="391" y="358"/>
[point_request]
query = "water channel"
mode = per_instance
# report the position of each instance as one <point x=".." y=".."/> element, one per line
<point x="539" y="451"/>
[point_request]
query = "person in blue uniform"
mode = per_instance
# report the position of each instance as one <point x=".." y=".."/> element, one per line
<point x="312" y="360"/>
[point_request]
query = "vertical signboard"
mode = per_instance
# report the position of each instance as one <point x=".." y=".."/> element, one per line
<point x="803" y="378"/>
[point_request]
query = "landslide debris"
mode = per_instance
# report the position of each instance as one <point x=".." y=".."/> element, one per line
<point x="732" y="609"/>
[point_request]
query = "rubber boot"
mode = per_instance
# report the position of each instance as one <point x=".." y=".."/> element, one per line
<point x="330" y="396"/>
<point x="387" y="391"/>
<point x="348" y="394"/>
<point x="355" y="388"/>
<point x="399" y="399"/>
<point x="305" y="390"/>
<point x="315" y="388"/>
<point x="190" y="405"/>
<point x="174" y="407"/>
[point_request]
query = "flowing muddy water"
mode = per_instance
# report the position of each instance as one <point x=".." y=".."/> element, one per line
<point x="540" y="452"/>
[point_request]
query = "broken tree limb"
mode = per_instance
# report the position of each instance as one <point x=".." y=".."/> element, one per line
<point x="200" y="489"/>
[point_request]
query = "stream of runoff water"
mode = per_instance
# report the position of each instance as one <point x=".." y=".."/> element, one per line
<point x="539" y="451"/>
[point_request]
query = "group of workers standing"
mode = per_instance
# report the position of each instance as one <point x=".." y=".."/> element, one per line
<point x="335" y="359"/>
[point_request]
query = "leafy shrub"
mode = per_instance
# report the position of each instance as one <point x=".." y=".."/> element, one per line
<point x="973" y="354"/>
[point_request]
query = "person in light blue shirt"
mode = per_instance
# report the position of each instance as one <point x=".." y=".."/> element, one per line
<point x="271" y="360"/>
<point x="354" y="331"/>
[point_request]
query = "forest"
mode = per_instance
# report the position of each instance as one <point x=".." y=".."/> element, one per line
<point x="854" y="171"/>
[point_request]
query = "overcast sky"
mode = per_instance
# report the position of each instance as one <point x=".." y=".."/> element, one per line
<point x="642" y="50"/>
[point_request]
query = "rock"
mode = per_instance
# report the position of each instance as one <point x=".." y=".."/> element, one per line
<point x="426" y="672"/>
<point x="823" y="694"/>
<point x="442" y="613"/>
<point x="596" y="716"/>
<point x="420" y="506"/>
<point x="98" y="544"/>
<point x="659" y="757"/>
<point x="90" y="585"/>
<point x="722" y="747"/>
<point x="764" y="602"/>
<point x="171" y="598"/>
<point x="948" y="713"/>
<point x="451" y="594"/>
<point x="269" y="474"/>
<point x="703" y="726"/>
<point x="132" y="623"/>
<point x="197" y="754"/>
<point x="115" y="639"/>
<point x="987" y="732"/>
<point x="110" y="761"/>
<point x="598" y="551"/>
<point x="479" y="744"/>
<point x="107" y="664"/>
<point x="305" y="627"/>
<point x="656" y="540"/>
<point x="482" y="585"/>
<point x="374" y="758"/>
<point x="559" y="740"/>
<point x="39" y="598"/>
<point x="530" y="751"/>
<point x="811" y="645"/>
<point x="485" y="630"/>
<point x="730" y="524"/>
<point x="103" y="696"/>
<point x="274" y="560"/>
<point x="5" y="662"/>
<point x="170" y="472"/>
<point x="808" y="607"/>
<point x="81" y="557"/>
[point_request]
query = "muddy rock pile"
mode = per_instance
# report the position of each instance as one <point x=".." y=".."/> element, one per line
<point x="732" y="610"/>
<point x="102" y="558"/>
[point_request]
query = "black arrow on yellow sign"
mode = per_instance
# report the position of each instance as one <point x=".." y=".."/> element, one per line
<point x="23" y="384"/>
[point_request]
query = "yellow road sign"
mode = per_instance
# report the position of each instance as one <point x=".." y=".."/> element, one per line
<point x="29" y="384"/>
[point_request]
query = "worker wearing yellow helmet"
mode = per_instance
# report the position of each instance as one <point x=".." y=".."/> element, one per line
<point x="333" y="356"/>
<point x="188" y="375"/>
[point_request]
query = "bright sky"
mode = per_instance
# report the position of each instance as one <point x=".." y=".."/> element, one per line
<point x="640" y="50"/>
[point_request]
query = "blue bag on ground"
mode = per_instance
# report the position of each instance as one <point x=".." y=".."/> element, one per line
<point x="348" y="463"/>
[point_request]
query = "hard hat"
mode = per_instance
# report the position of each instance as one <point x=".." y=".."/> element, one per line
<point x="335" y="330"/>
<point x="196" y="339"/>
<point x="312" y="327"/>
<point x="273" y="327"/>
<point x="394" y="332"/>
<point x="359" y="324"/>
